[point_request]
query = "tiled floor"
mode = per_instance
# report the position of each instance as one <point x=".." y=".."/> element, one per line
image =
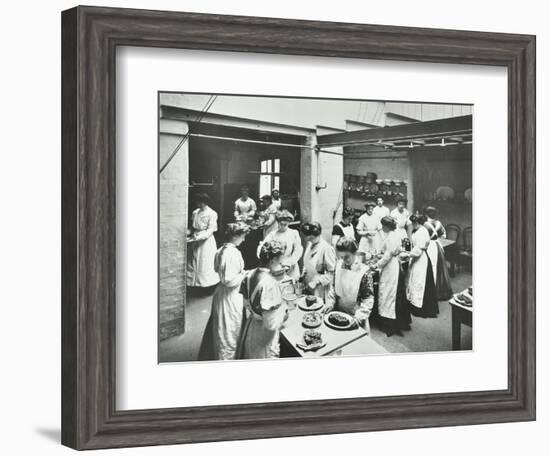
<point x="426" y="334"/>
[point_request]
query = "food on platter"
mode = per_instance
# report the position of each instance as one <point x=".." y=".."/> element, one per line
<point x="312" y="319"/>
<point x="312" y="337"/>
<point x="339" y="320"/>
<point x="311" y="305"/>
<point x="310" y="300"/>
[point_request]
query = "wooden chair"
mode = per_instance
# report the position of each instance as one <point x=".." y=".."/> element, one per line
<point x="465" y="251"/>
<point x="451" y="252"/>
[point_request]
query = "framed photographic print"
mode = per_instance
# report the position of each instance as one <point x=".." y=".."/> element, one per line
<point x="275" y="227"/>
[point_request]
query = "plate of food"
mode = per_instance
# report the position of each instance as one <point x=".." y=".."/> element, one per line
<point x="339" y="320"/>
<point x="312" y="320"/>
<point x="313" y="340"/>
<point x="310" y="303"/>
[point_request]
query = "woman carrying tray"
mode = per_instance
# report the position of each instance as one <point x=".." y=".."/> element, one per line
<point x="353" y="284"/>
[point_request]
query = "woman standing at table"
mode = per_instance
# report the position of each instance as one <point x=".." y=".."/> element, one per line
<point x="344" y="228"/>
<point x="393" y="313"/>
<point x="201" y="251"/>
<point x="270" y="211"/>
<point x="353" y="284"/>
<point x="276" y="198"/>
<point x="421" y="292"/>
<point x="368" y="227"/>
<point x="401" y="216"/>
<point x="292" y="244"/>
<point x="227" y="302"/>
<point x="319" y="263"/>
<point x="436" y="230"/>
<point x="266" y="310"/>
<point x="245" y="207"/>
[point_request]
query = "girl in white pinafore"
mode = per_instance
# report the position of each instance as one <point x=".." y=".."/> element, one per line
<point x="353" y="284"/>
<point x="319" y="263"/>
<point x="368" y="227"/>
<point x="227" y="302"/>
<point x="265" y="309"/>
<point x="292" y="244"/>
<point x="200" y="253"/>
<point x="394" y="315"/>
<point x="421" y="291"/>
<point x="344" y="228"/>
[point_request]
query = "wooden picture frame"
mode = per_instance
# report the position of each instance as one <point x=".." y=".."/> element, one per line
<point x="90" y="36"/>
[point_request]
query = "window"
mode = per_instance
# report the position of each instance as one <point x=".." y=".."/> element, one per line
<point x="269" y="175"/>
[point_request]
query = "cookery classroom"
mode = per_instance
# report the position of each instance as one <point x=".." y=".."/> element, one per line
<point x="299" y="227"/>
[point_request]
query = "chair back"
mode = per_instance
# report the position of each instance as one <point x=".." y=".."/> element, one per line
<point x="467" y="238"/>
<point x="453" y="232"/>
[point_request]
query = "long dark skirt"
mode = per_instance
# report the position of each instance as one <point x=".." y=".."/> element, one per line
<point x="430" y="304"/>
<point x="402" y="320"/>
<point x="443" y="281"/>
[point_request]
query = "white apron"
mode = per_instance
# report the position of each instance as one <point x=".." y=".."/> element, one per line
<point x="200" y="254"/>
<point x="227" y="302"/>
<point x="401" y="221"/>
<point x="346" y="286"/>
<point x="320" y="260"/>
<point x="432" y="249"/>
<point x="389" y="275"/>
<point x="416" y="280"/>
<point x="369" y="243"/>
<point x="349" y="231"/>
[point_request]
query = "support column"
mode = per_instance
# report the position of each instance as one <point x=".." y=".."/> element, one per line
<point x="173" y="202"/>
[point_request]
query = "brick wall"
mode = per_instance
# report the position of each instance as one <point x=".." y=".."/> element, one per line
<point x="172" y="234"/>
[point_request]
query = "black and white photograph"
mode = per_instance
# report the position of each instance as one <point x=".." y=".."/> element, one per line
<point x="300" y="227"/>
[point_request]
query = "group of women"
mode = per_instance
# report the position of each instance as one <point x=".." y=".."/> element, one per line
<point x="248" y="307"/>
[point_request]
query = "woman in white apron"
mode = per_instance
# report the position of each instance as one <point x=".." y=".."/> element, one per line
<point x="394" y="315"/>
<point x="401" y="216"/>
<point x="319" y="263"/>
<point x="432" y="247"/>
<point x="245" y="207"/>
<point x="276" y="198"/>
<point x="227" y="302"/>
<point x="265" y="309"/>
<point x="437" y="232"/>
<point x="270" y="211"/>
<point x="290" y="239"/>
<point x="353" y="284"/>
<point x="421" y="291"/>
<point x="344" y="228"/>
<point x="201" y="251"/>
<point x="368" y="227"/>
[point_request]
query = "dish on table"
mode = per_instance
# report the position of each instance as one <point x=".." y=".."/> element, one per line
<point x="313" y="340"/>
<point x="463" y="298"/>
<point x="312" y="319"/>
<point x="310" y="304"/>
<point x="339" y="320"/>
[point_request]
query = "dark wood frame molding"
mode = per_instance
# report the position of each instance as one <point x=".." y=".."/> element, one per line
<point x="90" y="36"/>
